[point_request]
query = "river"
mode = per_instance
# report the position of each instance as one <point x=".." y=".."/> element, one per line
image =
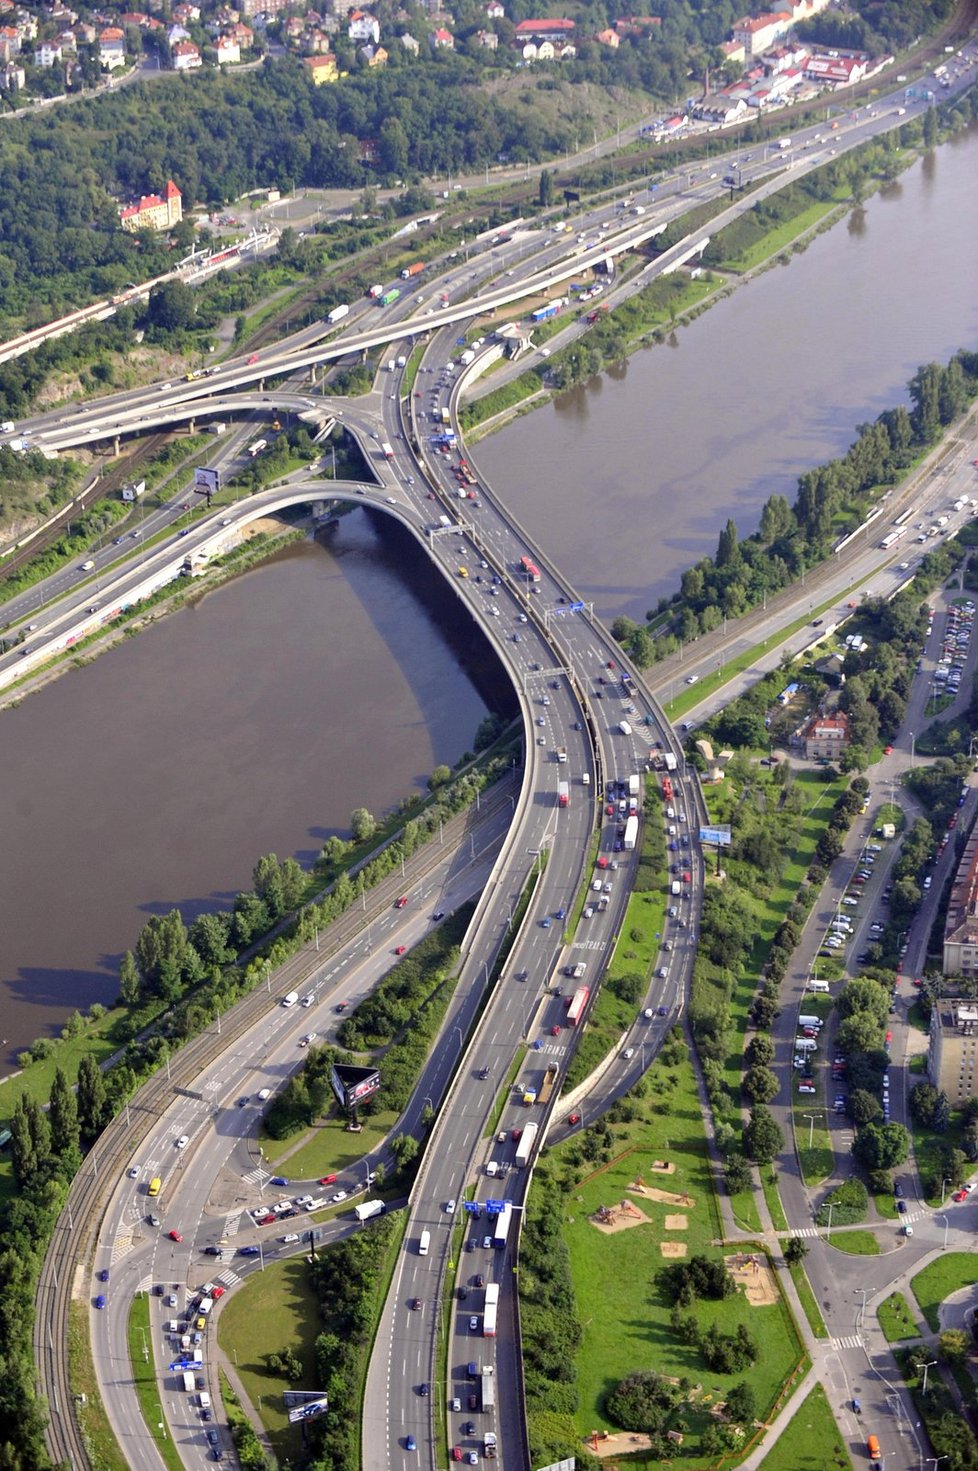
<point x="336" y="677"/>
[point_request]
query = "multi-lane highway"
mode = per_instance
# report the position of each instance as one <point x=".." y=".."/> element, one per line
<point x="567" y="672"/>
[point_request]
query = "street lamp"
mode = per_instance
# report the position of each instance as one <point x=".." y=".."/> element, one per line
<point x="929" y="1365"/>
<point x="811" y="1117"/>
<point x="945" y="1220"/>
<point x="944" y="1184"/>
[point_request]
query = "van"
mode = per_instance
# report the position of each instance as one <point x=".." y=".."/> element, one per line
<point x="265" y="1093"/>
<point x="290" y="999"/>
<point x="492" y="1168"/>
<point x="810" y="1021"/>
<point x="805" y="1044"/>
<point x="586" y="779"/>
<point x="87" y="566"/>
<point x="424" y="1243"/>
<point x="873" y="1447"/>
<point x="821" y="987"/>
<point x="624" y="727"/>
<point x="675" y="887"/>
<point x="204" y="1400"/>
<point x="155" y="1186"/>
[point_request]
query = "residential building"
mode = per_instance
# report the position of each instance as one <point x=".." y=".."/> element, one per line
<point x="363" y="27"/>
<point x="409" y="43"/>
<point x="373" y="55"/>
<point x="442" y="40"/>
<point x="9" y="43"/>
<point x="488" y="39"/>
<point x="322" y="69"/>
<point x="112" y="48"/>
<point x="608" y="38"/>
<point x="961" y="923"/>
<point x="953" y="1049"/>
<point x="186" y="56"/>
<point x="154" y="212"/>
<point x="13" y="78"/>
<point x="758" y="33"/>
<point x="48" y="54"/>
<point x="555" y="31"/>
<point x="228" y="50"/>
<point x="825" y="737"/>
<point x="494" y="11"/>
<point x="720" y="108"/>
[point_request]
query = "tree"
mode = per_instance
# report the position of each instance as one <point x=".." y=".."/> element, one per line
<point x="763" y="1138"/>
<point x="863" y="1107"/>
<point x="163" y="951"/>
<point x="759" y="1051"/>
<point x="953" y="1345"/>
<point x="404" y="1147"/>
<point x="881" y="1146"/>
<point x="128" y="979"/>
<point x="795" y="1251"/>
<point x="171" y="306"/>
<point x="63" y="1119"/>
<point x="761" y="1084"/>
<point x="741" y="1403"/>
<point x="30" y="1141"/>
<point x="923" y="1101"/>
<point x="93" y="1107"/>
<point x="546" y="191"/>
<point x="363" y="825"/>
<point x="738" y="1175"/>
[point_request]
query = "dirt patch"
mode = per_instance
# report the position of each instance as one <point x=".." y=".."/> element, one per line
<point x="612" y="1218"/>
<point x="602" y="1445"/>
<point x="672" y="1248"/>
<point x="665" y="1197"/>
<point x="676" y="1223"/>
<point x="754" y="1274"/>
<point x="663" y="1166"/>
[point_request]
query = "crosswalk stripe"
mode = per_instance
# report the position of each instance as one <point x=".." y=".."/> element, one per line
<point x="232" y="1223"/>
<point x="852" y="1341"/>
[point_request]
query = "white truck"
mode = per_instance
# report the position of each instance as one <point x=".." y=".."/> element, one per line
<point x="337" y="314"/>
<point x="633" y="786"/>
<point x="525" y="1146"/>
<point x="290" y="999"/>
<point x="368" y="1208"/>
<point x="189" y="1383"/>
<point x="631" y="833"/>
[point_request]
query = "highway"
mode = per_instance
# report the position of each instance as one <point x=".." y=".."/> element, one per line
<point x="567" y="672"/>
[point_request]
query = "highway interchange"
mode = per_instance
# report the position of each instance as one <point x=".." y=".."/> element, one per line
<point x="555" y="655"/>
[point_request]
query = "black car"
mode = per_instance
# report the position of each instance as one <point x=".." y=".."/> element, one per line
<point x="213" y="1437"/>
<point x="423" y="1389"/>
<point x="468" y="1428"/>
<point x="898" y="1191"/>
<point x="438" y="914"/>
<point x="902" y="1207"/>
<point x="463" y="1293"/>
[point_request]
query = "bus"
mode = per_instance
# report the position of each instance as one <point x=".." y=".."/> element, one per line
<point x="489" y="1318"/>
<point x="529" y="569"/>
<point x="155" y="1185"/>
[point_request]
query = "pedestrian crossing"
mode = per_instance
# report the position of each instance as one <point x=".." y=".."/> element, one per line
<point x="229" y="1277"/>
<point x="257" y="1177"/>
<point x="806" y="1231"/>
<point x="852" y="1340"/>
<point x="232" y="1224"/>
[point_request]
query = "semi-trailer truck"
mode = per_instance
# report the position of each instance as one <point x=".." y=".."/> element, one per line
<point x="631" y="832"/>
<point x="563" y="794"/>
<point x="547" y="1087"/>
<point x="488" y="1387"/>
<point x="337" y="314"/>
<point x="489" y="1316"/>
<point x="389" y="297"/>
<point x="412" y="270"/>
<point x="525" y="1147"/>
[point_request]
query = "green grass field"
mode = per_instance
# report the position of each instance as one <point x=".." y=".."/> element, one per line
<point x="280" y="1300"/>
<point x="329" y="1147"/>
<point x="147" y="1386"/>
<point x="949" y="1273"/>
<point x="811" y="1442"/>
<point x="769" y="1184"/>
<point x="896" y="1319"/>
<point x="625" y="1317"/>
<point x="856" y="1243"/>
<point x="807" y="1297"/>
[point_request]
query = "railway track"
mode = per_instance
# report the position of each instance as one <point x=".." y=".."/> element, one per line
<point x="77" y="1228"/>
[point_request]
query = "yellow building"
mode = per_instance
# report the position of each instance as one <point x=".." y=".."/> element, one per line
<point x="321" y="68"/>
<point x="153" y="212"/>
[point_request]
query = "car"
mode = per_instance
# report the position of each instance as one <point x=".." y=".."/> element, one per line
<point x="399" y="949"/>
<point x="414" y="1303"/>
<point x="340" y="1195"/>
<point x="423" y="1389"/>
<point x="449" y="1207"/>
<point x="898" y="1191"/>
<point x="486" y="1243"/>
<point x="101" y="1300"/>
<point x="253" y="359"/>
<point x="888" y="750"/>
<point x="546" y="922"/>
<point x="959" y="1195"/>
<point x="456" y="1452"/>
<point x="473" y="1457"/>
<point x="328" y="1180"/>
<point x="286" y="1240"/>
<point x="249" y="1250"/>
<point x="341" y="1006"/>
<point x="473" y="1401"/>
<point x="438" y="914"/>
<point x="902" y="1207"/>
<point x="401" y="903"/>
<point x="806" y="1088"/>
<point x="278" y="1180"/>
<point x="561" y="913"/>
<point x="213" y="1251"/>
<point x="174" y="1236"/>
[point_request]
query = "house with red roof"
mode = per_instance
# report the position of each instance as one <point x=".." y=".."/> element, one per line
<point x="154" y="212"/>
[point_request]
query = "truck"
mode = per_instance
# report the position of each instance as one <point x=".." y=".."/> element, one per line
<point x="337" y="314"/>
<point x="375" y="291"/>
<point x="667" y="788"/>
<point x="467" y="357"/>
<point x="576" y="1005"/>
<point x="529" y="1095"/>
<point x="489" y="1445"/>
<point x="254" y="450"/>
<point x="563" y="793"/>
<point x="562" y="754"/>
<point x="489" y="1317"/>
<point x="671" y="763"/>
<point x="133" y="490"/>
<point x="412" y="270"/>
<point x="445" y="414"/>
<point x="217" y="427"/>
<point x="290" y="999"/>
<point x="488" y="1387"/>
<point x="784" y="143"/>
<point x="387" y="450"/>
<point x="631" y="832"/>
<point x="633" y="787"/>
<point x="369" y="1208"/>
<point x="189" y="1382"/>
<point x="525" y="1147"/>
<point x="547" y="1087"/>
<point x="389" y="297"/>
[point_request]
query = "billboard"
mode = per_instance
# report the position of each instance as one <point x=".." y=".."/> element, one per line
<point x="353" y="1085"/>
<point x="717" y="837"/>
<point x="308" y="1411"/>
<point x="206" y="482"/>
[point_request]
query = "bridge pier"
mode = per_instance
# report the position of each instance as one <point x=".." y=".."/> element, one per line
<point x="116" y="451"/>
<point x="191" y="426"/>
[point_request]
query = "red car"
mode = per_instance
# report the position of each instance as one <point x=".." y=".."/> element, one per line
<point x="887" y="750"/>
<point x="918" y="981"/>
<point x="400" y="949"/>
<point x="268" y="1220"/>
<point x="217" y="1292"/>
<point x="328" y="1180"/>
<point x="175" y="1236"/>
<point x="252" y="359"/>
<point x="401" y="903"/>
<point x="609" y="811"/>
<point x="960" y="1195"/>
<point x="555" y="1031"/>
<point x="573" y="1118"/>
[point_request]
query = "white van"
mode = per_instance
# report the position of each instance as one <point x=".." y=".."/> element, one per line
<point x="821" y="987"/>
<point x="810" y="1021"/>
<point x="424" y="1243"/>
<point x="805" y="1044"/>
<point x="492" y="1168"/>
<point x="624" y="727"/>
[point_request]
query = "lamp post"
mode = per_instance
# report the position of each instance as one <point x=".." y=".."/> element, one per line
<point x="944" y="1184"/>
<point x="945" y="1220"/>
<point x="929" y="1365"/>
<point x="811" y="1117"/>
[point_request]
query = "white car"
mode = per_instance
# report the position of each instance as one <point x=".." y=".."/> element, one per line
<point x="449" y="1207"/>
<point x="309" y="1037"/>
<point x="305" y="1200"/>
<point x="133" y="1171"/>
<point x="287" y="1240"/>
<point x="183" y="1141"/>
<point x="340" y="1195"/>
